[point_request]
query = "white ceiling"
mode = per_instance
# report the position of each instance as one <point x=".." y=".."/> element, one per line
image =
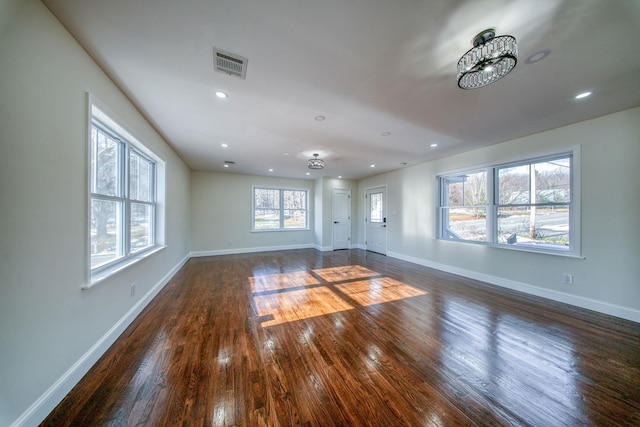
<point x="369" y="66"/>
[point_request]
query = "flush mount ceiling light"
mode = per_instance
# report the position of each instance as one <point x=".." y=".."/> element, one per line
<point x="490" y="59"/>
<point x="316" y="163"/>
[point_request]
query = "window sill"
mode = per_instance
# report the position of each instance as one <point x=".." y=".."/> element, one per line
<point x="102" y="275"/>
<point x="281" y="229"/>
<point x="537" y="249"/>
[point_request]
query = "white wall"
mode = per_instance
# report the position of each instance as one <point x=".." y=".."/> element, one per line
<point x="605" y="280"/>
<point x="47" y="323"/>
<point x="221" y="214"/>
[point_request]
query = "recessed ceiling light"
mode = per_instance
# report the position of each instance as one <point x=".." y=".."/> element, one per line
<point x="583" y="95"/>
<point x="270" y="170"/>
<point x="320" y="118"/>
<point x="434" y="145"/>
<point x="221" y="94"/>
<point x="386" y="133"/>
<point x="308" y="173"/>
<point x="285" y="154"/>
<point x="226" y="166"/>
<point x="223" y="145"/>
<point x="372" y="166"/>
<point x="339" y="176"/>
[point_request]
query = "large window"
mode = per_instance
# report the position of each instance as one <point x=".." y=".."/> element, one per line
<point x="279" y="209"/>
<point x="526" y="205"/>
<point x="123" y="180"/>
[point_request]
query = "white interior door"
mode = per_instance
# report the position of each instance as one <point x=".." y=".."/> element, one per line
<point x="376" y="220"/>
<point x="341" y="219"/>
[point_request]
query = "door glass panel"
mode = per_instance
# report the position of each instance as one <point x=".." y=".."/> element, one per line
<point x="376" y="207"/>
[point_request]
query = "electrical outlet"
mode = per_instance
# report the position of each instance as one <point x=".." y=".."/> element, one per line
<point x="133" y="289"/>
<point x="568" y="279"/>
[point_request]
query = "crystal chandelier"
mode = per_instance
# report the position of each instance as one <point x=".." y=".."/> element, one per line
<point x="491" y="59"/>
<point x="316" y="163"/>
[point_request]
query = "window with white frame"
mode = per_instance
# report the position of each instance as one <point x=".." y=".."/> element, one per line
<point x="279" y="209"/>
<point x="526" y="205"/>
<point x="123" y="185"/>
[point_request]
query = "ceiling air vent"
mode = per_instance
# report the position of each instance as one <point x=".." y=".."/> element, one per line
<point x="229" y="63"/>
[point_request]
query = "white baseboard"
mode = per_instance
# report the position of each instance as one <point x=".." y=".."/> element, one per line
<point x="39" y="410"/>
<point x="250" y="250"/>
<point x="578" y="301"/>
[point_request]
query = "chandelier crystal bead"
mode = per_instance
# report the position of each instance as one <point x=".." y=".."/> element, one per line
<point x="490" y="59"/>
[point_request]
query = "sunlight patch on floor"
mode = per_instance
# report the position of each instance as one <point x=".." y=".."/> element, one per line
<point x="275" y="282"/>
<point x="288" y="297"/>
<point x="378" y="290"/>
<point x="348" y="272"/>
<point x="298" y="304"/>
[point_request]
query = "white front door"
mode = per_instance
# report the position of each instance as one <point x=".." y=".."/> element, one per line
<point x="341" y="219"/>
<point x="376" y="220"/>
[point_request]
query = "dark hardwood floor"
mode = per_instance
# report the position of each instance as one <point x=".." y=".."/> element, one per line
<point x="351" y="338"/>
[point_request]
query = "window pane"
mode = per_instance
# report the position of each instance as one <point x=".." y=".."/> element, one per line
<point x="140" y="177"/>
<point x="465" y="223"/>
<point x="265" y="198"/>
<point x="104" y="163"/>
<point x="141" y="221"/>
<point x="295" y="218"/>
<point x="294" y="199"/>
<point x="266" y="219"/>
<point x="465" y="190"/>
<point x="514" y="185"/>
<point x="540" y="226"/>
<point x="553" y="181"/>
<point x="376" y="207"/>
<point x="106" y="231"/>
<point x="452" y="194"/>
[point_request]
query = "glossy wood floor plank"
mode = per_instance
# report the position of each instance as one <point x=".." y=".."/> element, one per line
<point x="349" y="338"/>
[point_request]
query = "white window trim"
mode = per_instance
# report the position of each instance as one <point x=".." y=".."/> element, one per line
<point x="575" y="245"/>
<point x="95" y="276"/>
<point x="281" y="189"/>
